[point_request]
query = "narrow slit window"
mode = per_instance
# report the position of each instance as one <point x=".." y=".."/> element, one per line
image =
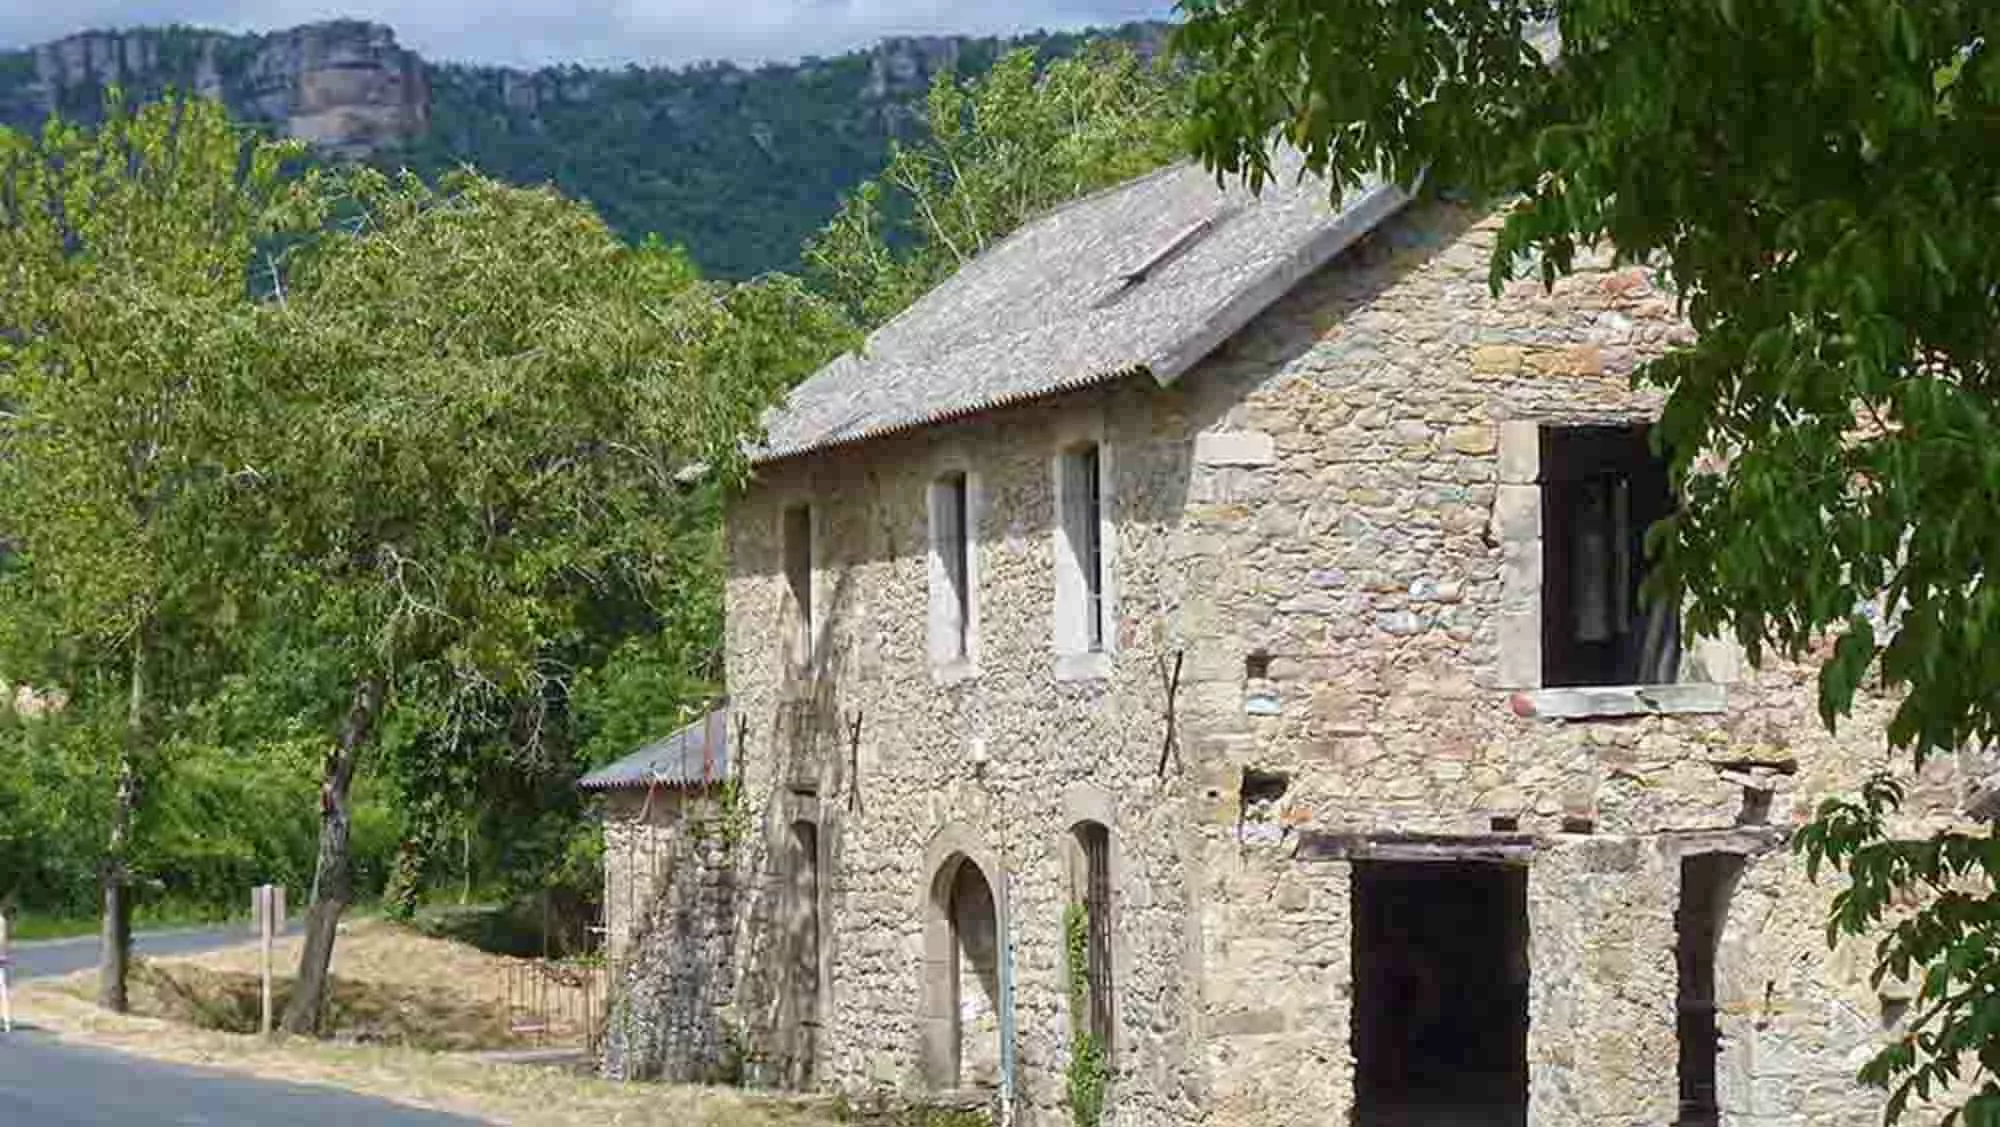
<point x="799" y="577"/>
<point x="951" y="544"/>
<point x="1708" y="880"/>
<point x="1083" y="527"/>
<point x="1093" y="891"/>
<point x="1093" y="539"/>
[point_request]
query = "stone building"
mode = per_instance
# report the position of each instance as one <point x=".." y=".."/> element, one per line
<point x="1243" y="570"/>
<point x="670" y="900"/>
<point x="654" y="799"/>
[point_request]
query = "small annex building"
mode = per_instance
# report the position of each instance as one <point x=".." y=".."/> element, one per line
<point x="1211" y="625"/>
<point x="655" y="802"/>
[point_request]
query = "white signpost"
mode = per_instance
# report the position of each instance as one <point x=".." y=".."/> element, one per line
<point x="267" y="913"/>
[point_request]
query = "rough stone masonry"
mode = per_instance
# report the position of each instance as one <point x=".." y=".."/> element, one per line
<point x="1317" y="730"/>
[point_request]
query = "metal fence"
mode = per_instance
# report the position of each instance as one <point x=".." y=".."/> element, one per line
<point x="558" y="1003"/>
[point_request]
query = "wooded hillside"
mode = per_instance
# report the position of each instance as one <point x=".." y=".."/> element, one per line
<point x="739" y="165"/>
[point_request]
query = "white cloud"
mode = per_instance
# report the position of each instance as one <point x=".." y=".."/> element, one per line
<point x="593" y="32"/>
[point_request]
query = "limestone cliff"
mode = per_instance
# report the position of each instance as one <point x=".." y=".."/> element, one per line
<point x="345" y="86"/>
<point x="739" y="164"/>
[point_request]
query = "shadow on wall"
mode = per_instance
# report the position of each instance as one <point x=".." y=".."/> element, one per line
<point x="785" y="847"/>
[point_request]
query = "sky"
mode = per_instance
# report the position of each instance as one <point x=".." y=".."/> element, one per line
<point x="592" y="32"/>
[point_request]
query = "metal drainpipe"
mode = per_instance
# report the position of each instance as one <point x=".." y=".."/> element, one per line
<point x="1006" y="1003"/>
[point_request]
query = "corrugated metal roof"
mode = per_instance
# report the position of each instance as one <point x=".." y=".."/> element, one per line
<point x="697" y="755"/>
<point x="1151" y="276"/>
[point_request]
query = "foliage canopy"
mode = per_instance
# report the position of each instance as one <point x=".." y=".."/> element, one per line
<point x="130" y="345"/>
<point x="1000" y="149"/>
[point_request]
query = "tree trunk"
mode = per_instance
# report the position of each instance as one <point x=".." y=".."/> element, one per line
<point x="115" y="946"/>
<point x="114" y="954"/>
<point x="332" y="878"/>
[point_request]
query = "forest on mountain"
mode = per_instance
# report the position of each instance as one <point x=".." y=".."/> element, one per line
<point x="739" y="165"/>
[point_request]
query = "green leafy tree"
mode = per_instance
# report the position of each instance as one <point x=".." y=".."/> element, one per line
<point x="129" y="343"/>
<point x="1817" y="182"/>
<point x="999" y="150"/>
<point x="478" y="434"/>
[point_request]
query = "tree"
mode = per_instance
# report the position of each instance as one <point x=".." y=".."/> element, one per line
<point x="999" y="150"/>
<point x="128" y="343"/>
<point x="477" y="432"/>
<point x="1817" y="183"/>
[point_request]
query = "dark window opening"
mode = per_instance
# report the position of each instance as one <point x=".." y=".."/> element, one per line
<point x="954" y="548"/>
<point x="1894" y="1010"/>
<point x="1257" y="666"/>
<point x="1260" y="793"/>
<point x="1756" y="809"/>
<point x="799" y="575"/>
<point x="1440" y="994"/>
<point x="1084" y="527"/>
<point x="1707" y="879"/>
<point x="1602" y="489"/>
<point x="1095" y="843"/>
<point x="1264" y="786"/>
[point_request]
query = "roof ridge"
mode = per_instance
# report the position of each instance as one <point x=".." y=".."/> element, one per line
<point x="1025" y="319"/>
<point x="1019" y="230"/>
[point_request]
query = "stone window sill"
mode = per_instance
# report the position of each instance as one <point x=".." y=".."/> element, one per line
<point x="1586" y="702"/>
<point x="954" y="671"/>
<point x="1092" y="666"/>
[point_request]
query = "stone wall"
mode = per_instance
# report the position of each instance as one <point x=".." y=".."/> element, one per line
<point x="1313" y="565"/>
<point x="674" y="859"/>
<point x="641" y="832"/>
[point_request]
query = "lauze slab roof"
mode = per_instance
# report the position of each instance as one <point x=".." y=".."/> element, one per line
<point x="1149" y="276"/>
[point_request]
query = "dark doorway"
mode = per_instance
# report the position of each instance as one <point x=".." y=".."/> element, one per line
<point x="976" y="978"/>
<point x="1440" y="994"/>
<point x="804" y="937"/>
<point x="1707" y="880"/>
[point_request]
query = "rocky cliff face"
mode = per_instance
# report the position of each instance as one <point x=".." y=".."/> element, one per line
<point x="738" y="164"/>
<point x="347" y="87"/>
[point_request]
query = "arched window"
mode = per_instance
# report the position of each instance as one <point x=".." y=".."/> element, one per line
<point x="962" y="983"/>
<point x="1091" y="889"/>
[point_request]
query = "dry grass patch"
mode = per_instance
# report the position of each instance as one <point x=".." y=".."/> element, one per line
<point x="391" y="985"/>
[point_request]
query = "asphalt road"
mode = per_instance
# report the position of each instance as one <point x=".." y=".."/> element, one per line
<point x="44" y="1083"/>
<point x="47" y="1084"/>
<point x="61" y="956"/>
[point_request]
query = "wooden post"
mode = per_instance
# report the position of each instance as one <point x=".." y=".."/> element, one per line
<point x="266" y="899"/>
<point x="6" y="957"/>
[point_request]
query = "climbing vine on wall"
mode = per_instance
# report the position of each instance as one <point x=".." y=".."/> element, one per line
<point x="1088" y="1070"/>
<point x="733" y="815"/>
